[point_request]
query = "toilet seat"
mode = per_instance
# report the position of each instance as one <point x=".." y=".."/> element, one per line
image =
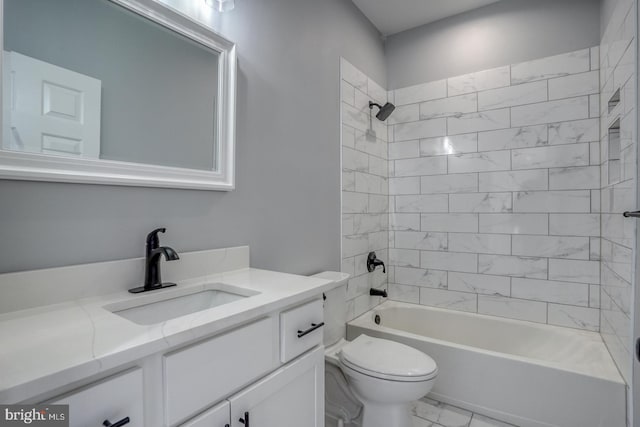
<point x="387" y="360"/>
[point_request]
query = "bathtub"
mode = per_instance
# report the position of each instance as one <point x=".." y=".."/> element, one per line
<point x="528" y="374"/>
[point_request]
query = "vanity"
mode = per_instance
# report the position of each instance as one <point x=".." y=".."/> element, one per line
<point x="228" y="346"/>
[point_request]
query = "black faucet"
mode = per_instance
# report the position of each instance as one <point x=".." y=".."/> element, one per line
<point x="373" y="262"/>
<point x="152" y="279"/>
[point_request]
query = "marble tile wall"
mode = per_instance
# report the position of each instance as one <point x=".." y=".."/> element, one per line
<point x="494" y="192"/>
<point x="618" y="181"/>
<point x="365" y="188"/>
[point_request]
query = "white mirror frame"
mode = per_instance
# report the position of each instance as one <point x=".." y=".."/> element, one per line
<point x="38" y="167"/>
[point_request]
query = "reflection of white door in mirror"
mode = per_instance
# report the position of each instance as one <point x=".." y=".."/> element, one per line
<point x="52" y="110"/>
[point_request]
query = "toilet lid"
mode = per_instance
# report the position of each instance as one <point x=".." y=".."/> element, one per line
<point x="387" y="359"/>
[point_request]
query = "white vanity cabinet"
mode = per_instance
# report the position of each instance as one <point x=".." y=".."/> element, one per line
<point x="269" y="370"/>
<point x="293" y="396"/>
<point x="111" y="399"/>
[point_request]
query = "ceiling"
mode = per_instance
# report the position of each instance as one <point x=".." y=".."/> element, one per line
<point x="393" y="16"/>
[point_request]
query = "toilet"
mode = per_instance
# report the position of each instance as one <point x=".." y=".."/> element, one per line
<point x="373" y="381"/>
<point x="369" y="382"/>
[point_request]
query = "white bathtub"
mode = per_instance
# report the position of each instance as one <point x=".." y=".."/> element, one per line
<point x="524" y="373"/>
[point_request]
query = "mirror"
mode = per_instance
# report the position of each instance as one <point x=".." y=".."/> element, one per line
<point x="126" y="92"/>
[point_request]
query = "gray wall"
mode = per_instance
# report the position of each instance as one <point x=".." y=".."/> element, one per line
<point x="287" y="201"/>
<point x="503" y="33"/>
<point x="140" y="65"/>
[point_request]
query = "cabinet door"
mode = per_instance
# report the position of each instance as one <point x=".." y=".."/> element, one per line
<point x="111" y="399"/>
<point x="218" y="416"/>
<point x="292" y="396"/>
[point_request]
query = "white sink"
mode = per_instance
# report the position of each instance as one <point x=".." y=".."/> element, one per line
<point x="167" y="305"/>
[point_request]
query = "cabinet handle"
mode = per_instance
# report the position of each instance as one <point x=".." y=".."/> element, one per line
<point x="313" y="327"/>
<point x="245" y="420"/>
<point x="120" y="423"/>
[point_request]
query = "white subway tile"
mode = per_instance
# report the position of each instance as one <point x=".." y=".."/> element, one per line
<point x="421" y="277"/>
<point x="550" y="112"/>
<point x="352" y="75"/>
<point x="421" y="92"/>
<point x="479" y="283"/>
<point x="348" y="93"/>
<point x="532" y="311"/>
<point x="404" y="258"/>
<point x="483" y="121"/>
<point x="461" y="301"/>
<point x="550" y="291"/>
<point x="578" y="178"/>
<point x="595" y="58"/>
<point x="354" y="160"/>
<point x="369" y="223"/>
<point x="354" y="202"/>
<point x="410" y="185"/>
<point x="372" y="184"/>
<point x="514" y="266"/>
<point x="465" y="143"/>
<point x="404" y="114"/>
<point x="450" y="222"/>
<point x="421" y="129"/>
<point x="453" y="183"/>
<point x="506" y="139"/>
<point x="551" y="246"/>
<point x="551" y="157"/>
<point x="355" y="118"/>
<point x="378" y="166"/>
<point x="404" y="150"/>
<point x="404" y="293"/>
<point x="419" y="204"/>
<point x="348" y="137"/>
<point x="373" y="147"/>
<point x="574" y="317"/>
<point x="574" y="85"/>
<point x="348" y="181"/>
<point x="376" y="92"/>
<point x="578" y="201"/>
<point x="378" y="203"/>
<point x="514" y="223"/>
<point x="574" y="224"/>
<point x="355" y="245"/>
<point x="480" y="202"/>
<point x="550" y="67"/>
<point x="421" y="240"/>
<point x="499" y="244"/>
<point x="480" y="162"/>
<point x="574" y="271"/>
<point x="421" y="166"/>
<point x="452" y="106"/>
<point x="594" y="106"/>
<point x="574" y="132"/>
<point x="404" y="222"/>
<point x="528" y="93"/>
<point x="449" y="261"/>
<point x="482" y="80"/>
<point x="524" y="180"/>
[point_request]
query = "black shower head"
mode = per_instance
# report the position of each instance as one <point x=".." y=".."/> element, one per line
<point x="385" y="110"/>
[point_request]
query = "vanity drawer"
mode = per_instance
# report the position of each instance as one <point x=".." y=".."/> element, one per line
<point x="300" y="329"/>
<point x="207" y="372"/>
<point x="111" y="399"/>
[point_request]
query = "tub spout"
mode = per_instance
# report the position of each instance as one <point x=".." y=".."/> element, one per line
<point x="378" y="292"/>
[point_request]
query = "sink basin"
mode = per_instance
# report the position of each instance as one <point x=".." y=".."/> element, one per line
<point x="152" y="309"/>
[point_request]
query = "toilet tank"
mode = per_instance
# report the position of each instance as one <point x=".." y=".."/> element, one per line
<point x="335" y="307"/>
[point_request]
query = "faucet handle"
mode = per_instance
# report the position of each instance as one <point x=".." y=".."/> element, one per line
<point x="153" y="241"/>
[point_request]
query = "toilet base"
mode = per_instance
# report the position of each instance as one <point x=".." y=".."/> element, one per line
<point x="398" y="415"/>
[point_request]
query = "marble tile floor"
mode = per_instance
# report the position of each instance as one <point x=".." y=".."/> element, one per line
<point x="430" y="413"/>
